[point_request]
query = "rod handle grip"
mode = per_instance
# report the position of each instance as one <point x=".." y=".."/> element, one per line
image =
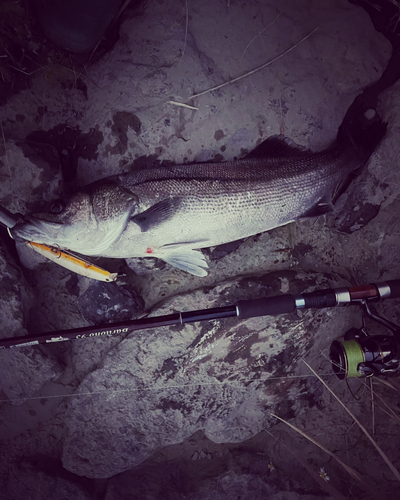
<point x="394" y="288"/>
<point x="267" y="306"/>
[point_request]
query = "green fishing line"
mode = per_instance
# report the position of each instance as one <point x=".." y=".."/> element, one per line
<point x="354" y="356"/>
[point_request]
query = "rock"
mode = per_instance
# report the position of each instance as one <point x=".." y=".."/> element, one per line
<point x="377" y="184"/>
<point x="159" y="59"/>
<point x="71" y="144"/>
<point x="142" y="266"/>
<point x="359" y="238"/>
<point x="108" y="302"/>
<point x="221" y="251"/>
<point x="249" y="476"/>
<point x="355" y="211"/>
<point x="23" y="371"/>
<point x="31" y="176"/>
<point x="159" y="386"/>
<point x="47" y="482"/>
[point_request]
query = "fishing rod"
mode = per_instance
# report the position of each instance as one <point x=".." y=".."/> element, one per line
<point x="7" y="219"/>
<point x="357" y="354"/>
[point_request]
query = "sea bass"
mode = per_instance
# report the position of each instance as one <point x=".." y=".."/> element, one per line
<point x="171" y="212"/>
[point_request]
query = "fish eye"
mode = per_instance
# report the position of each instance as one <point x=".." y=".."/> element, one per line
<point x="57" y="206"/>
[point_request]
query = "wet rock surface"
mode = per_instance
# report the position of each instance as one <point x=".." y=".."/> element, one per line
<point x="22" y="371"/>
<point x="187" y="412"/>
<point x="53" y="483"/>
<point x="224" y="377"/>
<point x="31" y="175"/>
<point x="108" y="302"/>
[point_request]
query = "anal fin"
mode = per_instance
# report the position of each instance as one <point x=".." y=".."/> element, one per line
<point x="186" y="259"/>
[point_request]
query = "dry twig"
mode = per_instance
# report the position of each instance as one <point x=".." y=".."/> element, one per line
<point x="259" y="68"/>
<point x="374" y="443"/>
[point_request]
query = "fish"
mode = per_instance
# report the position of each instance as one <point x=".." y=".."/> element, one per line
<point x="171" y="212"/>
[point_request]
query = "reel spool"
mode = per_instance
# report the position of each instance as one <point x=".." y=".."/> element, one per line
<point x="361" y="355"/>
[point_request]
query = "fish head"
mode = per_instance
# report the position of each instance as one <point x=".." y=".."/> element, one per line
<point x="88" y="223"/>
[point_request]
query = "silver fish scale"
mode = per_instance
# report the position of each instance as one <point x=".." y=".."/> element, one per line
<point x="258" y="182"/>
<point x="222" y="202"/>
<point x="233" y="173"/>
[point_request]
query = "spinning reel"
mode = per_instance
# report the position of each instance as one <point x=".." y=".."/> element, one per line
<point x="359" y="354"/>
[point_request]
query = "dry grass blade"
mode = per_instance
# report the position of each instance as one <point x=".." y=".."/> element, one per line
<point x="259" y="34"/>
<point x="391" y="413"/>
<point x="388" y="384"/>
<point x="347" y="468"/>
<point x="186" y="31"/>
<point x="376" y="446"/>
<point x="372" y="406"/>
<point x="331" y="490"/>
<point x="7" y="160"/>
<point x="121" y="10"/>
<point x="256" y="69"/>
<point x="182" y="105"/>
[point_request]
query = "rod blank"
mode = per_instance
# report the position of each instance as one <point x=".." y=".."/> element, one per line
<point x="8" y="219"/>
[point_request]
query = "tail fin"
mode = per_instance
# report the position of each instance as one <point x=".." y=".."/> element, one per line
<point x="362" y="128"/>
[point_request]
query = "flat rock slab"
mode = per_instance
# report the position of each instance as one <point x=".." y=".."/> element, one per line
<point x="225" y="377"/>
<point x="126" y="110"/>
<point x="31" y="175"/>
<point x="52" y="481"/>
<point x="22" y="371"/>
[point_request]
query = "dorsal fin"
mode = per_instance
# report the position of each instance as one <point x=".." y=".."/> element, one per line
<point x="278" y="146"/>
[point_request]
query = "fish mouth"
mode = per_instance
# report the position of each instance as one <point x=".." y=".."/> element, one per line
<point x="36" y="230"/>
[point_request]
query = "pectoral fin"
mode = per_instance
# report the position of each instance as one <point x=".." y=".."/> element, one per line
<point x="158" y="213"/>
